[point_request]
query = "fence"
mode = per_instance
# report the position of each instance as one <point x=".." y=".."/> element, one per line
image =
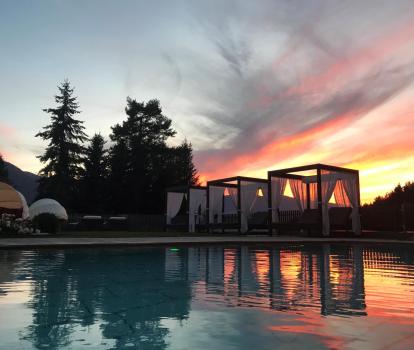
<point x="286" y="216"/>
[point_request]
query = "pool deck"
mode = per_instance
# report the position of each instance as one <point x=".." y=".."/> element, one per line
<point x="61" y="242"/>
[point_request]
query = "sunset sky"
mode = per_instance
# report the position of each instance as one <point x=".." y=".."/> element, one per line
<point x="254" y="85"/>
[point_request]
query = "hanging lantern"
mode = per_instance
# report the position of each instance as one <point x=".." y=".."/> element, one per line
<point x="259" y="192"/>
<point x="226" y="192"/>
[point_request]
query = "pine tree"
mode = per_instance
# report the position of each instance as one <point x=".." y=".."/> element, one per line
<point x="187" y="170"/>
<point x="143" y="138"/>
<point x="4" y="176"/>
<point x="119" y="174"/>
<point x="94" y="176"/>
<point x="63" y="155"/>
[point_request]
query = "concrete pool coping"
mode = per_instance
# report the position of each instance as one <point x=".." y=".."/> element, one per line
<point x="60" y="242"/>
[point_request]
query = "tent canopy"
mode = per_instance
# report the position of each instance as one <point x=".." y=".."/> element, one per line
<point x="313" y="186"/>
<point x="48" y="206"/>
<point x="11" y="201"/>
<point x="239" y="194"/>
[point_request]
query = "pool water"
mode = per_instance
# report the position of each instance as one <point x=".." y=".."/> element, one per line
<point x="208" y="297"/>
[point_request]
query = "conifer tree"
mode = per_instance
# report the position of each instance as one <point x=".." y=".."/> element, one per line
<point x="63" y="154"/>
<point x="94" y="176"/>
<point x="187" y="170"/>
<point x="143" y="138"/>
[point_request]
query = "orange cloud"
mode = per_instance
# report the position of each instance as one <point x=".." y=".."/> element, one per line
<point x="384" y="138"/>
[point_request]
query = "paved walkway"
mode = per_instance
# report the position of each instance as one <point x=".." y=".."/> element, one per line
<point x="137" y="241"/>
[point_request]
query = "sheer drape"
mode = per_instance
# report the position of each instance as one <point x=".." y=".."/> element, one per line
<point x="215" y="203"/>
<point x="248" y="196"/>
<point x="327" y="186"/>
<point x="350" y="185"/>
<point x="233" y="195"/>
<point x="174" y="201"/>
<point x="341" y="197"/>
<point x="298" y="188"/>
<point x="278" y="188"/>
<point x="197" y="199"/>
<point x="313" y="191"/>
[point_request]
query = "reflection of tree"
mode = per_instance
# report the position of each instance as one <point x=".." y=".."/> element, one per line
<point x="9" y="267"/>
<point x="51" y="302"/>
<point x="125" y="291"/>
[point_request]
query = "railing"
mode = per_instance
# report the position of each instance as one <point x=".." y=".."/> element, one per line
<point x="286" y="216"/>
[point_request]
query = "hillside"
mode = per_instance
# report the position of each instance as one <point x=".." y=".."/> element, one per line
<point x="24" y="181"/>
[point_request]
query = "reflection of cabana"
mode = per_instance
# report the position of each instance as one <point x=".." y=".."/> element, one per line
<point x="237" y="203"/>
<point x="186" y="208"/>
<point x="312" y="187"/>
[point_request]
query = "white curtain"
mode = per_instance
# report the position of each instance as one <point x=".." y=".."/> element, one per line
<point x="328" y="182"/>
<point x="341" y="197"/>
<point x="350" y="185"/>
<point x="278" y="188"/>
<point x="174" y="200"/>
<point x="230" y="201"/>
<point x="313" y="191"/>
<point x="248" y="196"/>
<point x="233" y="195"/>
<point x="198" y="198"/>
<point x="215" y="203"/>
<point x="298" y="188"/>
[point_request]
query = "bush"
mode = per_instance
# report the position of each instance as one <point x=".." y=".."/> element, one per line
<point x="10" y="224"/>
<point x="47" y="223"/>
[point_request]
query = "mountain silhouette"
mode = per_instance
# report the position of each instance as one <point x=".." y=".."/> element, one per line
<point x="23" y="181"/>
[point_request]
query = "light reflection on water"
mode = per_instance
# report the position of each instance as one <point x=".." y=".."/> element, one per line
<point x="205" y="297"/>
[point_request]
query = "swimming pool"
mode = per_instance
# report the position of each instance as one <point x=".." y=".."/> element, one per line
<point x="208" y="297"/>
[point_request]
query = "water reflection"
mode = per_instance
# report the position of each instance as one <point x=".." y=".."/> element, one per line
<point x="117" y="298"/>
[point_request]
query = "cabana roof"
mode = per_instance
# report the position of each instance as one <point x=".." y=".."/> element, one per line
<point x="184" y="188"/>
<point x="230" y="180"/>
<point x="318" y="166"/>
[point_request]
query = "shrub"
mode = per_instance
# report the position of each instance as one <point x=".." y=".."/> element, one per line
<point x="47" y="223"/>
<point x="10" y="224"/>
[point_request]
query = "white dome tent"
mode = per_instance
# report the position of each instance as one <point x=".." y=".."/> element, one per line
<point x="48" y="206"/>
<point x="11" y="201"/>
<point x="25" y="211"/>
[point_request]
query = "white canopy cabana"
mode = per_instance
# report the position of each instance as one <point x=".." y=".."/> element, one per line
<point x="196" y="199"/>
<point x="312" y="187"/>
<point x="243" y="196"/>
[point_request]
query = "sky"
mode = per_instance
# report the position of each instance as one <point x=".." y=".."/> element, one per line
<point x="254" y="85"/>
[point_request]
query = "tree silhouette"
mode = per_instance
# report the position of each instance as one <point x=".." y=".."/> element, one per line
<point x="4" y="176"/>
<point x="94" y="175"/>
<point x="184" y="163"/>
<point x="140" y="142"/>
<point x="63" y="155"/>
